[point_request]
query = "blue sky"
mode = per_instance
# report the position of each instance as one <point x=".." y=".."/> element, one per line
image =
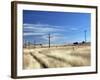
<point x="64" y="27"/>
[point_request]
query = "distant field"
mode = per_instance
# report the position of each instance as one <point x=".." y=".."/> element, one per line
<point x="55" y="57"/>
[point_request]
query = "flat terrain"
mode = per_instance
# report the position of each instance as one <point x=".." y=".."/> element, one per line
<point x="55" y="57"/>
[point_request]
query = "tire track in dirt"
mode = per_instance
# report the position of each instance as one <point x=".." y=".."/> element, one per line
<point x="50" y="61"/>
<point x="39" y="61"/>
<point x="66" y="60"/>
<point x="57" y="58"/>
<point x="48" y="58"/>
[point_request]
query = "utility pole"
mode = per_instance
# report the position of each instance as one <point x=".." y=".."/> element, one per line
<point x="34" y="43"/>
<point x="85" y="31"/>
<point x="25" y="44"/>
<point x="29" y="44"/>
<point x="49" y="36"/>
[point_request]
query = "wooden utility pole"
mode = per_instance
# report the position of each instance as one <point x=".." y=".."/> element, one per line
<point x="49" y="36"/>
<point x="24" y="43"/>
<point x="85" y="31"/>
<point x="28" y="44"/>
<point x="34" y="43"/>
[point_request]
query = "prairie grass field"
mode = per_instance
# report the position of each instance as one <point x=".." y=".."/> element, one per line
<point x="57" y="57"/>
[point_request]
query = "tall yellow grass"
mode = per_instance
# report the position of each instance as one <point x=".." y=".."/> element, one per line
<point x="56" y="57"/>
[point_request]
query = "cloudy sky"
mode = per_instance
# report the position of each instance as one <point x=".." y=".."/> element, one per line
<point x="63" y="27"/>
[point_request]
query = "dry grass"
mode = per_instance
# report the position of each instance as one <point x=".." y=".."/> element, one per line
<point x="30" y="62"/>
<point x="53" y="57"/>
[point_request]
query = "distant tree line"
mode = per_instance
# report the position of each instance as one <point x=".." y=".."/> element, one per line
<point x="76" y="43"/>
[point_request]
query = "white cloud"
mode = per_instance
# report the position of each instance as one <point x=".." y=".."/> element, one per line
<point x="43" y="28"/>
<point x="36" y="25"/>
<point x="73" y="29"/>
<point x="28" y="34"/>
